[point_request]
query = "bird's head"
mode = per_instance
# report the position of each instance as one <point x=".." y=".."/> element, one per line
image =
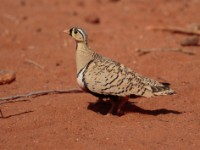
<point x="78" y="34"/>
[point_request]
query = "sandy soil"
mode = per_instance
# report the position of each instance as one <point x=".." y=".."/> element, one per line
<point x="32" y="30"/>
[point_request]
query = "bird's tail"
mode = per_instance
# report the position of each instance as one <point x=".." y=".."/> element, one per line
<point x="164" y="89"/>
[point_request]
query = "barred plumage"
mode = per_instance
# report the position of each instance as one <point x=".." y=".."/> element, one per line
<point x="102" y="76"/>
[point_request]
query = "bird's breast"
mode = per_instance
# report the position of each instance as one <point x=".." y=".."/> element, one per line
<point x="80" y="77"/>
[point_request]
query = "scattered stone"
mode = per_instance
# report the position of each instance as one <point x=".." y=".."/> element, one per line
<point x="74" y="13"/>
<point x="7" y="77"/>
<point x="92" y="19"/>
<point x="190" y="41"/>
<point x="56" y="3"/>
<point x="58" y="64"/>
<point x="23" y="3"/>
<point x="25" y="18"/>
<point x="81" y="4"/>
<point x="39" y="30"/>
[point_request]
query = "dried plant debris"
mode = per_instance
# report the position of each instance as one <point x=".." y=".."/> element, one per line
<point x="7" y="77"/>
<point x="190" y="41"/>
<point x="146" y="51"/>
<point x="192" y="29"/>
<point x="31" y="62"/>
<point x="39" y="93"/>
<point x="194" y="26"/>
<point x="114" y="0"/>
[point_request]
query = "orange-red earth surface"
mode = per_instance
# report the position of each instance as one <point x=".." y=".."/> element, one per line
<point x="31" y="31"/>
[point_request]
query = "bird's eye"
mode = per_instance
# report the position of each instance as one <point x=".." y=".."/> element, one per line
<point x="75" y="31"/>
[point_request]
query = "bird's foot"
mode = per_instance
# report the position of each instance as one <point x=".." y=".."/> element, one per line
<point x="120" y="112"/>
<point x="112" y="108"/>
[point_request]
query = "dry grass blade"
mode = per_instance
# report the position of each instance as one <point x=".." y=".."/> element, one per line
<point x="34" y="63"/>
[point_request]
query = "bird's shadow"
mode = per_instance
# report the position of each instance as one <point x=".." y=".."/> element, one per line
<point x="103" y="107"/>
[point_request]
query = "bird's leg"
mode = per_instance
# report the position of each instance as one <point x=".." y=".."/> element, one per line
<point x="122" y="101"/>
<point x="112" y="107"/>
<point x="99" y="100"/>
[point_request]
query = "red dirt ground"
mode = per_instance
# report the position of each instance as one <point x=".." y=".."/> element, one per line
<point x="33" y="30"/>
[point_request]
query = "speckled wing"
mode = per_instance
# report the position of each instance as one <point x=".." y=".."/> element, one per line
<point x="107" y="77"/>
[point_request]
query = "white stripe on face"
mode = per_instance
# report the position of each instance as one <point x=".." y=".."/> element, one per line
<point x="82" y="33"/>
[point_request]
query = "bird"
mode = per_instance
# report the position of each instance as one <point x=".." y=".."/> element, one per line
<point x="106" y="78"/>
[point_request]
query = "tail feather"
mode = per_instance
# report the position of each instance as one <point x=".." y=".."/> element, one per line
<point x="162" y="90"/>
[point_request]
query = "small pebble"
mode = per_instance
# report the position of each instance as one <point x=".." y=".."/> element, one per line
<point x="92" y="19"/>
<point x="23" y="3"/>
<point x="39" y="30"/>
<point x="25" y="18"/>
<point x="7" y="76"/>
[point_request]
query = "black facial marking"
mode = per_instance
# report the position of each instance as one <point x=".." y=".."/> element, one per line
<point x="70" y="31"/>
<point x="75" y="31"/>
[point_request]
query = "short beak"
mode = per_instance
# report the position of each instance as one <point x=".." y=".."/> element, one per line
<point x="66" y="31"/>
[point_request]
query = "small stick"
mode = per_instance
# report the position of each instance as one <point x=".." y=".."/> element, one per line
<point x="39" y="93"/>
<point x="176" y="30"/>
<point x="34" y="63"/>
<point x="2" y="116"/>
<point x="146" y="51"/>
<point x="25" y="112"/>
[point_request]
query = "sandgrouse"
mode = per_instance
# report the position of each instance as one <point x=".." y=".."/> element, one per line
<point x="106" y="78"/>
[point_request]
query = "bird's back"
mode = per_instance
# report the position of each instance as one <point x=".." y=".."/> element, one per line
<point x="107" y="77"/>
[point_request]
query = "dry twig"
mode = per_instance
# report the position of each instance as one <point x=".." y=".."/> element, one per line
<point x="38" y="93"/>
<point x="146" y="51"/>
<point x="176" y="30"/>
<point x="5" y="117"/>
<point x="190" y="41"/>
<point x="2" y="116"/>
<point x="34" y="63"/>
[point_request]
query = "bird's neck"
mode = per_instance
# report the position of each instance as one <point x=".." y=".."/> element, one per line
<point x="83" y="55"/>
